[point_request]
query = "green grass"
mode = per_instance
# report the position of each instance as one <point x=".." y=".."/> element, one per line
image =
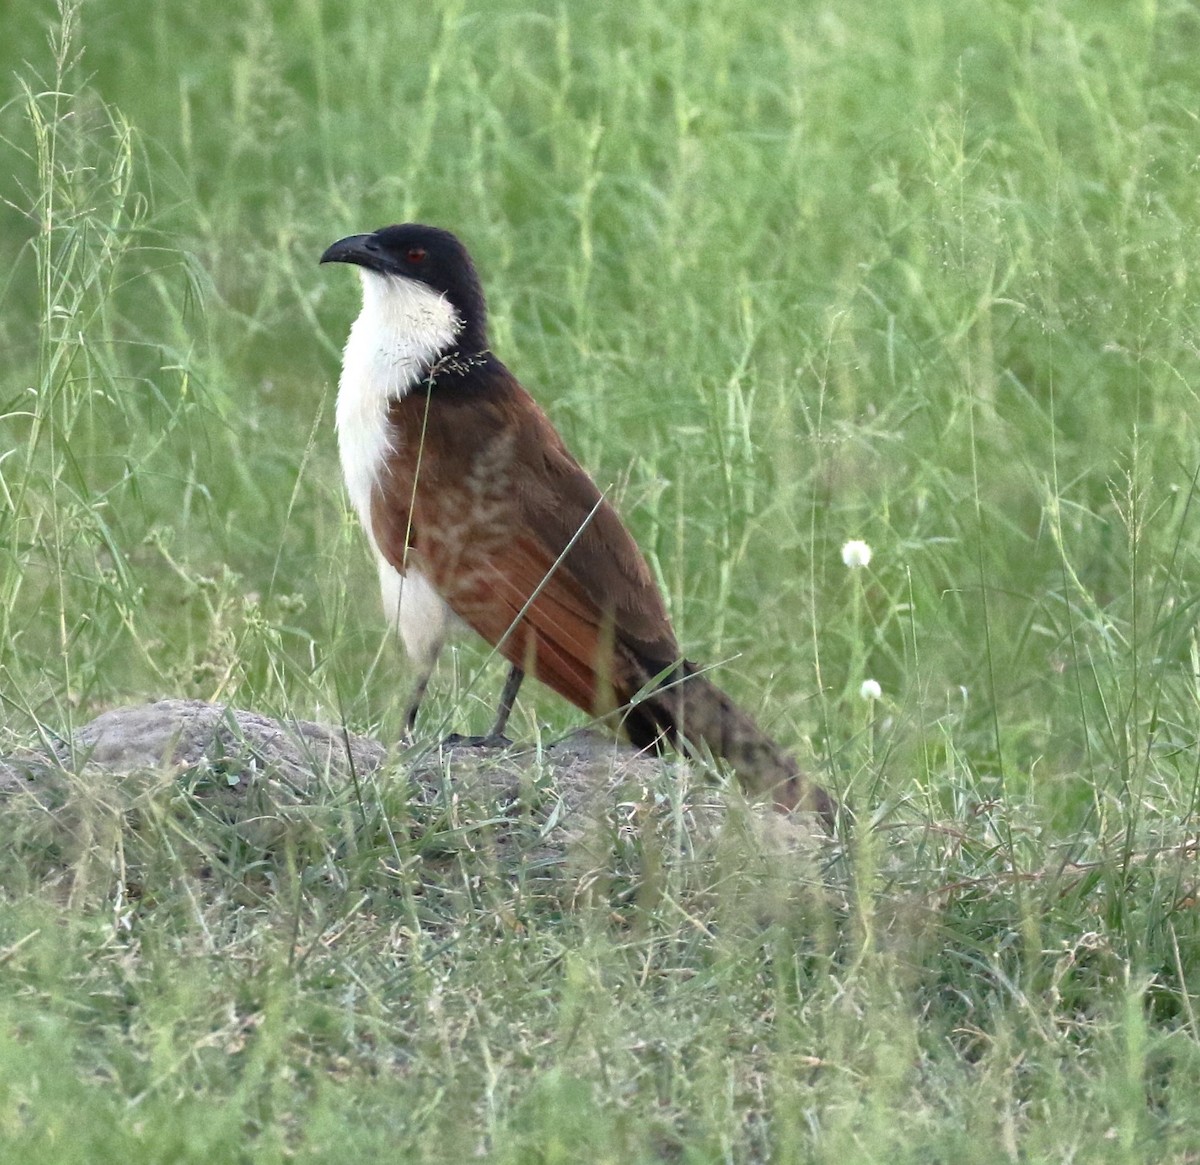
<point x="925" y="274"/>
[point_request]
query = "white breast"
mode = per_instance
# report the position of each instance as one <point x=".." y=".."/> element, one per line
<point x="402" y="328"/>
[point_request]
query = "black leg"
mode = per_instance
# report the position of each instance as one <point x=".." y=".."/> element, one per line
<point x="496" y="738"/>
<point x="508" y="697"/>
<point x="414" y="703"/>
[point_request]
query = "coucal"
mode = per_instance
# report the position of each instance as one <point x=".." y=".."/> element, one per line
<point x="478" y="514"/>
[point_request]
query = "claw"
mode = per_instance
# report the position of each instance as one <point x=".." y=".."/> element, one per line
<point x="491" y="740"/>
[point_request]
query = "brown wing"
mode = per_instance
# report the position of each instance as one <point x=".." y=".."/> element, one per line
<point x="519" y="542"/>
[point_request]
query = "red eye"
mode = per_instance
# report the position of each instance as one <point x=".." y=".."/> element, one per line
<point x="415" y="254"/>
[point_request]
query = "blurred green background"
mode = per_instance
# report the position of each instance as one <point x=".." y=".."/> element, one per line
<point x="925" y="274"/>
<point x="922" y="275"/>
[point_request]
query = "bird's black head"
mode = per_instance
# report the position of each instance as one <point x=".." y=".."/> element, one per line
<point x="426" y="255"/>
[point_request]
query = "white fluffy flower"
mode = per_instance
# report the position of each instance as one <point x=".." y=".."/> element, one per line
<point x="856" y="554"/>
<point x="870" y="690"/>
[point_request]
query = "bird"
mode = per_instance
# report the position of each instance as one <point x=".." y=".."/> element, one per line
<point x="479" y="516"/>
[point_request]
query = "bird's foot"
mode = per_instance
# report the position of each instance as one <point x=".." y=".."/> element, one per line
<point x="491" y="740"/>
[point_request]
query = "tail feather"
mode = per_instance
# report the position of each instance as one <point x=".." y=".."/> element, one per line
<point x="686" y="708"/>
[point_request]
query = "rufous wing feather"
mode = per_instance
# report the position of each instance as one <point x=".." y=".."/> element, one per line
<point x="520" y="543"/>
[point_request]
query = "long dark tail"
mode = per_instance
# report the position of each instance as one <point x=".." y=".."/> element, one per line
<point x="686" y="708"/>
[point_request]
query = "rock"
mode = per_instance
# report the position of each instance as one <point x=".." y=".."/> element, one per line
<point x="212" y="748"/>
<point x="230" y="769"/>
<point x="24" y="770"/>
<point x="192" y="734"/>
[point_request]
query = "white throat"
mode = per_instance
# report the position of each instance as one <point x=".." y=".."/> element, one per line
<point x="402" y="329"/>
<point x="404" y="326"/>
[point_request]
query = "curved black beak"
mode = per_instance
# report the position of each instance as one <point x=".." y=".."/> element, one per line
<point x="361" y="250"/>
